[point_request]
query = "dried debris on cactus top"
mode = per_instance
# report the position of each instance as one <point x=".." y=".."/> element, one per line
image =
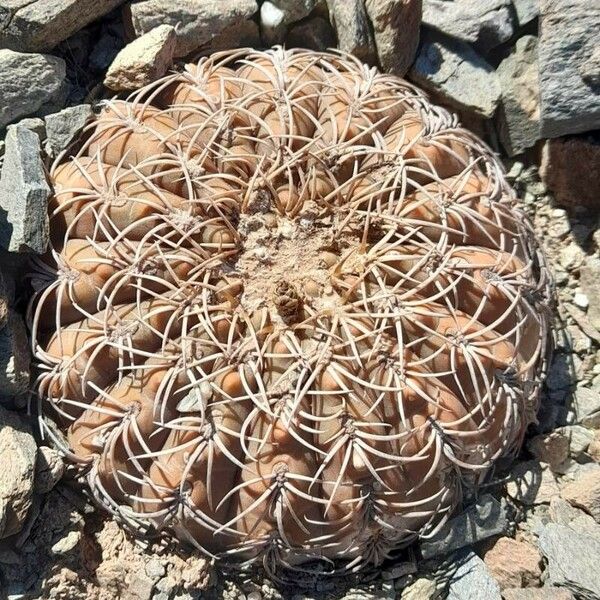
<point x="290" y="308"/>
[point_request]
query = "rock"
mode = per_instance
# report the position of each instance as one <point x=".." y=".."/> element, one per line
<point x="584" y="493"/>
<point x="545" y="593"/>
<point x="104" y="52"/>
<point x="581" y="300"/>
<point x="67" y="543"/>
<point x="472" y="580"/>
<point x="24" y="194"/>
<point x="243" y="34"/>
<point x="295" y="10"/>
<point x="594" y="447"/>
<point x="421" y="589"/>
<point x="519" y="114"/>
<point x="34" y="124"/>
<point x="272" y="23"/>
<point x="532" y="484"/>
<point x="551" y="448"/>
<point x="586" y="404"/>
<point x="572" y="560"/>
<point x="196" y="23"/>
<point x="15" y="357"/>
<point x="479" y="521"/>
<point x="590" y="282"/>
<point x="349" y="19"/>
<point x="570" y="101"/>
<point x="579" y="439"/>
<point x="17" y="457"/>
<point x="399" y="570"/>
<point x="513" y="563"/>
<point x="40" y="25"/>
<point x="315" y="33"/>
<point x="154" y="569"/>
<point x="454" y="71"/>
<point x="527" y="11"/>
<point x="28" y="82"/>
<point x="396" y="25"/>
<point x="64" y="126"/>
<point x="564" y="167"/>
<point x="49" y="468"/>
<point x="143" y="61"/>
<point x="485" y="24"/>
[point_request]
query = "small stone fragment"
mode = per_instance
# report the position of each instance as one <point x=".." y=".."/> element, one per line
<point x="456" y="73"/>
<point x="480" y="521"/>
<point x="485" y="24"/>
<point x="272" y="22"/>
<point x="396" y="25"/>
<point x="519" y="113"/>
<point x="315" y="34"/>
<point x="527" y="10"/>
<point x="421" y="589"/>
<point x="514" y="563"/>
<point x="15" y="357"/>
<point x="62" y="127"/>
<point x="472" y="580"/>
<point x="565" y="167"/>
<point x="584" y="492"/>
<point x="24" y="194"/>
<point x="572" y="560"/>
<point x="196" y="23"/>
<point x="34" y="124"/>
<point x="143" y="61"/>
<point x="570" y="102"/>
<point x="28" y="82"/>
<point x="66" y="543"/>
<point x="17" y="457"/>
<point x="349" y="19"/>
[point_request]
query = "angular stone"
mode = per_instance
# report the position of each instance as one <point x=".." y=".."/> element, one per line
<point x="24" y="194"/>
<point x="273" y="25"/>
<point x="196" y="23"/>
<point x="29" y="26"/>
<point x="143" y="61"/>
<point x="519" y="114"/>
<point x="572" y="560"/>
<point x="565" y="165"/>
<point x="396" y="25"/>
<point x="349" y="19"/>
<point x="15" y="357"/>
<point x="34" y="124"/>
<point x="570" y="96"/>
<point x="586" y="404"/>
<point x="28" y="82"/>
<point x="485" y="24"/>
<point x="17" y="457"/>
<point x="315" y="33"/>
<point x="472" y="579"/>
<point x="454" y="71"/>
<point x="64" y="126"/>
<point x="480" y="521"/>
<point x="49" y="468"/>
<point x="527" y="10"/>
<point x="513" y="563"/>
<point x="579" y="439"/>
<point x="584" y="492"/>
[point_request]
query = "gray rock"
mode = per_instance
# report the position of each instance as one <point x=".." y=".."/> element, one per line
<point x="315" y="33"/>
<point x="527" y="10"/>
<point x="196" y="23"/>
<point x="572" y="560"/>
<point x="486" y="24"/>
<point x="24" y="194"/>
<point x="28" y="82"/>
<point x="15" y="357"/>
<point x="17" y="457"/>
<point x="570" y="99"/>
<point x="519" y="115"/>
<point x="34" y="124"/>
<point x="273" y="24"/>
<point x="454" y="71"/>
<point x="350" y="21"/>
<point x="480" y="521"/>
<point x="29" y="26"/>
<point x="396" y="28"/>
<point x="472" y="580"/>
<point x="49" y="468"/>
<point x="579" y="439"/>
<point x="62" y="127"/>
<point x="586" y="403"/>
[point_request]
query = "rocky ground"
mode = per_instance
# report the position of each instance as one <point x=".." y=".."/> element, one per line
<point x="523" y="74"/>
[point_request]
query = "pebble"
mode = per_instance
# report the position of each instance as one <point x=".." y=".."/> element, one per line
<point x="273" y="23"/>
<point x="581" y="300"/>
<point x="15" y="356"/>
<point x="66" y="543"/>
<point x="420" y="589"/>
<point x="154" y="569"/>
<point x="514" y="563"/>
<point x="143" y="61"/>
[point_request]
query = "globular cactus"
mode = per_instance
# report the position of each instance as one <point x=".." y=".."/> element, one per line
<point x="290" y="309"/>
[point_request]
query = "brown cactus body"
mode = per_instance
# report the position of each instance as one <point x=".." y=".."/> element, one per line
<point x="290" y="307"/>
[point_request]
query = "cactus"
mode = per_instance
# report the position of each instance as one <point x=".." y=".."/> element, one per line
<point x="290" y="310"/>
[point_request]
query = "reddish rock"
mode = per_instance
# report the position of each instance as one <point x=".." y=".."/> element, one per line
<point x="566" y="166"/>
<point x="584" y="492"/>
<point x="514" y="563"/>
